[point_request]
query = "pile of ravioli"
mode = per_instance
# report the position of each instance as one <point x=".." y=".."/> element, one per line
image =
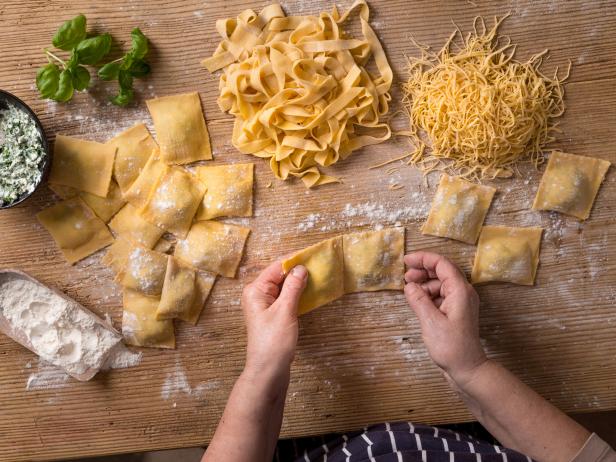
<point x="156" y="212"/>
<point x="569" y="185"/>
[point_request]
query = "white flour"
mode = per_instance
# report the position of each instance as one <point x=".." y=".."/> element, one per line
<point x="122" y="358"/>
<point x="379" y="212"/>
<point x="60" y="332"/>
<point x="47" y="377"/>
<point x="50" y="377"/>
<point x="176" y="384"/>
<point x="376" y="214"/>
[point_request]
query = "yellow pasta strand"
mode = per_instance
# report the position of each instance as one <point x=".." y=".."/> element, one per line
<point x="479" y="110"/>
<point x="299" y="90"/>
<point x="387" y="162"/>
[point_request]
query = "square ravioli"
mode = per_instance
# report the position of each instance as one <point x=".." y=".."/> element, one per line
<point x="75" y="228"/>
<point x="570" y="184"/>
<point x="507" y="254"/>
<point x="103" y="207"/>
<point x="164" y="245"/>
<point x="83" y="165"/>
<point x="144" y="270"/>
<point x="184" y="292"/>
<point x="134" y="148"/>
<point x="63" y="192"/>
<point x="458" y="209"/>
<point x="180" y="128"/>
<point x="229" y="191"/>
<point x="136" y="267"/>
<point x="204" y="282"/>
<point x="178" y="292"/>
<point x="214" y="247"/>
<point x="138" y="193"/>
<point x="373" y="260"/>
<point x="174" y="201"/>
<point x="324" y="262"/>
<point x="116" y="256"/>
<point x="139" y="324"/>
<point x="129" y="224"/>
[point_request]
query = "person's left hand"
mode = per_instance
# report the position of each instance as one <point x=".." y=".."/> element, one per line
<point x="270" y="310"/>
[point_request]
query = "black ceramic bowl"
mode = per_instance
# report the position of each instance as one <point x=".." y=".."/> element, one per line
<point x="7" y="99"/>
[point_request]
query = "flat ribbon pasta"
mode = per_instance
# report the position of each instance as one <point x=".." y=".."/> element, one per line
<point x="299" y="90"/>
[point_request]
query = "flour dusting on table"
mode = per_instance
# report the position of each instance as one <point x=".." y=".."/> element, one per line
<point x="123" y="357"/>
<point x="47" y="377"/>
<point x="376" y="214"/>
<point x="176" y="384"/>
<point x="50" y="377"/>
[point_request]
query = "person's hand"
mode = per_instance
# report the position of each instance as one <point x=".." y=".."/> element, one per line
<point x="270" y="310"/>
<point x="448" y="310"/>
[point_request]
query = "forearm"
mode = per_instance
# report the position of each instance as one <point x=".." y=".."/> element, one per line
<point x="519" y="417"/>
<point x="249" y="427"/>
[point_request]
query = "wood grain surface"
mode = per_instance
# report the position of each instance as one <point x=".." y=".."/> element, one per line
<point x="361" y="359"/>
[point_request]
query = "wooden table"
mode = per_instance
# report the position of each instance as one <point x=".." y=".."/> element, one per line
<point x="360" y="360"/>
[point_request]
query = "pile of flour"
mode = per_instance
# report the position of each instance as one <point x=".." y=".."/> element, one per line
<point x="60" y="332"/>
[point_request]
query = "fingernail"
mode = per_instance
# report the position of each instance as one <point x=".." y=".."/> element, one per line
<point x="299" y="271"/>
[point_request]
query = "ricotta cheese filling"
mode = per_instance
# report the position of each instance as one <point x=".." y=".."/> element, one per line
<point x="21" y="154"/>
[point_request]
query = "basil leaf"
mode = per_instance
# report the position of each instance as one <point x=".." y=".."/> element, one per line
<point x="123" y="98"/>
<point x="91" y="50"/>
<point x="81" y="78"/>
<point x="47" y="79"/>
<point x="109" y="71"/>
<point x="70" y="33"/>
<point x="139" y="44"/>
<point x="127" y="62"/>
<point x="125" y="80"/>
<point x="73" y="62"/>
<point x="65" y="87"/>
<point x="139" y="68"/>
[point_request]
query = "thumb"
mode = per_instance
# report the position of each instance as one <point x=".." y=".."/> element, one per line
<point x="292" y="289"/>
<point x="421" y="303"/>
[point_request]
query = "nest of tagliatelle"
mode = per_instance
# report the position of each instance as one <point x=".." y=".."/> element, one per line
<point x="478" y="110"/>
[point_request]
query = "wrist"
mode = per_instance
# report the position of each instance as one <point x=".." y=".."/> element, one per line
<point x="272" y="377"/>
<point x="463" y="377"/>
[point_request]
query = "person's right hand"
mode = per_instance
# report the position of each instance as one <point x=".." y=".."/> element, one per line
<point x="448" y="310"/>
<point x="270" y="309"/>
